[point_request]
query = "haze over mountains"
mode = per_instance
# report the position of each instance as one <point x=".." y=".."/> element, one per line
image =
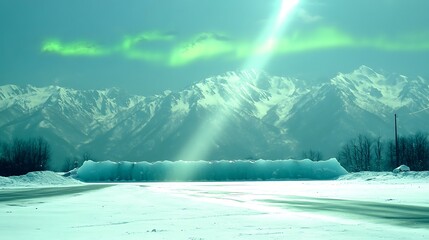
<point x="254" y="115"/>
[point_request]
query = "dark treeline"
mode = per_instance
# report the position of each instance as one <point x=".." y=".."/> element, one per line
<point x="23" y="156"/>
<point x="365" y="153"/>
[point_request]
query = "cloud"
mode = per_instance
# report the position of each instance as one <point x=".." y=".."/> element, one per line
<point x="130" y="48"/>
<point x="129" y="42"/>
<point x="202" y="46"/>
<point x="205" y="46"/>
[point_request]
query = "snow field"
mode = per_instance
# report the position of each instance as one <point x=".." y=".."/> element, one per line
<point x="223" y="210"/>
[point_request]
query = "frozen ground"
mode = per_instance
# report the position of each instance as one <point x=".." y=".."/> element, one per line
<point x="361" y="206"/>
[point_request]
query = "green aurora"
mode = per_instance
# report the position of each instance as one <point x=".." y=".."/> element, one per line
<point x="146" y="47"/>
<point x="78" y="48"/>
<point x="203" y="46"/>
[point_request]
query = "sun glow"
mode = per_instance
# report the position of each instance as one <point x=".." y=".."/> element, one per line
<point x="270" y="38"/>
<point x="200" y="145"/>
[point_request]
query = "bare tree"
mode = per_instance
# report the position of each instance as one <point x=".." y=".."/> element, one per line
<point x="348" y="156"/>
<point x="356" y="154"/>
<point x="365" y="143"/>
<point x="312" y="155"/>
<point x="87" y="156"/>
<point x="70" y="163"/>
<point x="378" y="150"/>
<point x="421" y="148"/>
<point x="23" y="156"/>
<point x="391" y="160"/>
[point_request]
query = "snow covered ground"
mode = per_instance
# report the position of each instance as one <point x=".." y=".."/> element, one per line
<point x="358" y="206"/>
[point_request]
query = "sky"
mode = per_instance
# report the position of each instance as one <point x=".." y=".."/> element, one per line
<point x="148" y="46"/>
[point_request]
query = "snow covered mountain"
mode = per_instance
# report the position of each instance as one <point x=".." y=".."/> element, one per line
<point x="363" y="101"/>
<point x="244" y="114"/>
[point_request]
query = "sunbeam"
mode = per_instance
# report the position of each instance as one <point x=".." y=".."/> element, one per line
<point x="269" y="39"/>
<point x="200" y="145"/>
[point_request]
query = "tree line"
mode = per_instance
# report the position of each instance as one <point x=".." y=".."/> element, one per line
<point x="23" y="156"/>
<point x="362" y="153"/>
<point x="365" y="153"/>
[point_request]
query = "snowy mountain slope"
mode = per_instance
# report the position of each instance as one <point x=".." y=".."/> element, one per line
<point x="363" y="101"/>
<point x="246" y="114"/>
<point x="67" y="118"/>
<point x="177" y="116"/>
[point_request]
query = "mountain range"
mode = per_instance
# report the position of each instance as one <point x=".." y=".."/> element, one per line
<point x="246" y="114"/>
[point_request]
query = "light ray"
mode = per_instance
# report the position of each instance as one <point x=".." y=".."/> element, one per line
<point x="269" y="40"/>
<point x="201" y="144"/>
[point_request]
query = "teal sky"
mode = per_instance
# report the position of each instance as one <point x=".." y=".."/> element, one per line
<point x="147" y="46"/>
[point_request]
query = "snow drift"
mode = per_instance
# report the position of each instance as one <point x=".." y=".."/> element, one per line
<point x="402" y="168"/>
<point x="37" y="179"/>
<point x="399" y="177"/>
<point x="238" y="170"/>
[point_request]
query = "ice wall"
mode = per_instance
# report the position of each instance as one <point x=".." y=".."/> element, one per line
<point x="237" y="170"/>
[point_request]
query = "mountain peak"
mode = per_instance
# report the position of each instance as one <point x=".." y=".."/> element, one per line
<point x="8" y="90"/>
<point x="361" y="76"/>
<point x="366" y="71"/>
<point x="245" y="75"/>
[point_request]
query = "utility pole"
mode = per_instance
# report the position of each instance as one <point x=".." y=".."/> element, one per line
<point x="396" y="142"/>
